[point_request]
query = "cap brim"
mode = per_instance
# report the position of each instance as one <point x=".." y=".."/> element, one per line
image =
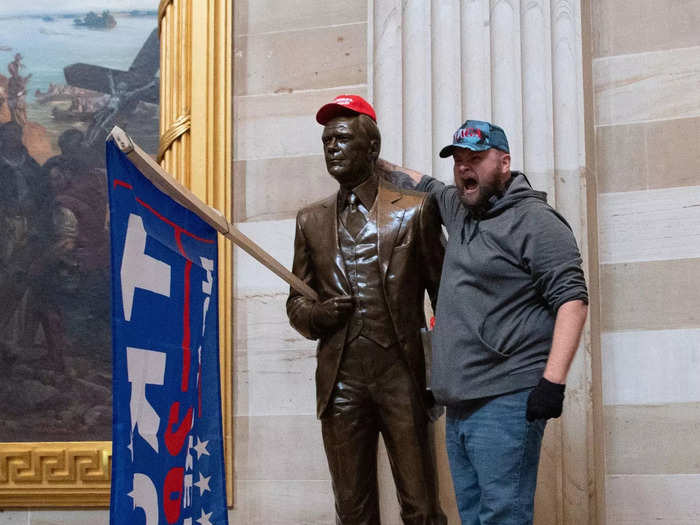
<point x="448" y="151"/>
<point x="332" y="110"/>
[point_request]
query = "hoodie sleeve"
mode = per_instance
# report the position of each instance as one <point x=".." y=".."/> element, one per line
<point x="445" y="196"/>
<point x="550" y="253"/>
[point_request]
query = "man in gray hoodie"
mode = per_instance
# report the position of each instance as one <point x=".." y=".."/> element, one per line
<point x="509" y="316"/>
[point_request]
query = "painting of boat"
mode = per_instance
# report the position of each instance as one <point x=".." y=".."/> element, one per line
<point x="72" y="115"/>
<point x="63" y="93"/>
<point x="94" y="21"/>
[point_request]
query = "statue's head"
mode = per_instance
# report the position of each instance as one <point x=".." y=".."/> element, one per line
<point x="351" y="139"/>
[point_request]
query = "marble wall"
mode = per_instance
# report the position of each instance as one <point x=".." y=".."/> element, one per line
<point x="646" y="74"/>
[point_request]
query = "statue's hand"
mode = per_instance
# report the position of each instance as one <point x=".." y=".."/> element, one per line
<point x="332" y="312"/>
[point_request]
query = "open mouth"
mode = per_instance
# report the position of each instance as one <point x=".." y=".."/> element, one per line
<point x="470" y="184"/>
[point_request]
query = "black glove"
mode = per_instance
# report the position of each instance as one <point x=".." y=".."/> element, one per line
<point x="331" y="313"/>
<point x="545" y="400"/>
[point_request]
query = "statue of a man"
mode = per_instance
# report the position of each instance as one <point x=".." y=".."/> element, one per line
<point x="370" y="251"/>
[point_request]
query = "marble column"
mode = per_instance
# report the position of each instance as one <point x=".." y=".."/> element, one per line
<point x="517" y="63"/>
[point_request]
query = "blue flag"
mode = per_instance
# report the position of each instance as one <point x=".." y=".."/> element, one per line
<point x="167" y="447"/>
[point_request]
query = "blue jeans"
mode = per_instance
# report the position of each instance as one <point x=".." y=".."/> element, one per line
<point x="494" y="453"/>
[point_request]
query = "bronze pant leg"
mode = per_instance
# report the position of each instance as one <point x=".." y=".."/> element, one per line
<point x="404" y="426"/>
<point x="350" y="434"/>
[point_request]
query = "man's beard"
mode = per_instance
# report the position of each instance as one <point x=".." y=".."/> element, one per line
<point x="479" y="209"/>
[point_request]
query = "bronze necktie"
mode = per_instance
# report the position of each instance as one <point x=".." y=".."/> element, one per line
<point x="355" y="219"/>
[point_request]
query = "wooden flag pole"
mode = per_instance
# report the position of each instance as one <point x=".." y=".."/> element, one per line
<point x="180" y="194"/>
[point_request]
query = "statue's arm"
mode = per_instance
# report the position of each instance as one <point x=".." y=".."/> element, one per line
<point x="299" y="308"/>
<point x="432" y="247"/>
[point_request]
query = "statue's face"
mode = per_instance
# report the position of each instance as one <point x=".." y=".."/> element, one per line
<point x="347" y="150"/>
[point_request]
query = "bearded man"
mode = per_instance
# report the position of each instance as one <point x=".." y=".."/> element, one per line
<point x="509" y="317"/>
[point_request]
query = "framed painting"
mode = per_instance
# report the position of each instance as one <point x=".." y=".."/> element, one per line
<point x="69" y="72"/>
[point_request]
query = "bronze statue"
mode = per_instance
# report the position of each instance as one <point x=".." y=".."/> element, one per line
<point x="370" y="252"/>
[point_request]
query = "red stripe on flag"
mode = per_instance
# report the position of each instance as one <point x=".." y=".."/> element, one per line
<point x="178" y="241"/>
<point x="171" y="223"/>
<point x="123" y="184"/>
<point x="160" y="216"/>
<point x="186" y="352"/>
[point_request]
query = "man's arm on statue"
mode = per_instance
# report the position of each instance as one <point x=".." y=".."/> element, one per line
<point x="398" y="175"/>
<point x="408" y="179"/>
<point x="444" y="196"/>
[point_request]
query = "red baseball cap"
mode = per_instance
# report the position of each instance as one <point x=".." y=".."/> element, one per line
<point x="341" y="104"/>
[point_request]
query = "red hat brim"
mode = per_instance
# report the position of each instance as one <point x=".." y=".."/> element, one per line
<point x="358" y="106"/>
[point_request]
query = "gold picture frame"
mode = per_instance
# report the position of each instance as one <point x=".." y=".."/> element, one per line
<point x="196" y="136"/>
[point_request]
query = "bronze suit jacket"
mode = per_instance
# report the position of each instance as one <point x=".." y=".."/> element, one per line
<point x="410" y="256"/>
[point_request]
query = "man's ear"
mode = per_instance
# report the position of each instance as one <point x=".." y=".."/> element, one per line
<point x="505" y="163"/>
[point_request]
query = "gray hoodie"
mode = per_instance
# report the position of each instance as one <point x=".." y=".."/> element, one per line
<point x="504" y="277"/>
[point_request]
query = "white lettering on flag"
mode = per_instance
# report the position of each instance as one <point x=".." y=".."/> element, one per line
<point x="208" y="265"/>
<point x="145" y="367"/>
<point x="187" y="498"/>
<point x="138" y="269"/>
<point x="145" y="496"/>
<point x="188" y="460"/>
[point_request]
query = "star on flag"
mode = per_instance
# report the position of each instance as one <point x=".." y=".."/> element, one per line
<point x="203" y="484"/>
<point x="204" y="518"/>
<point x="201" y="448"/>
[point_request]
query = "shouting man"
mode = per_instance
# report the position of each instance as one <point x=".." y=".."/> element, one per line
<point x="512" y="306"/>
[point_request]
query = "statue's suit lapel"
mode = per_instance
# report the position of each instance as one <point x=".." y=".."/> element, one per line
<point x="329" y="230"/>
